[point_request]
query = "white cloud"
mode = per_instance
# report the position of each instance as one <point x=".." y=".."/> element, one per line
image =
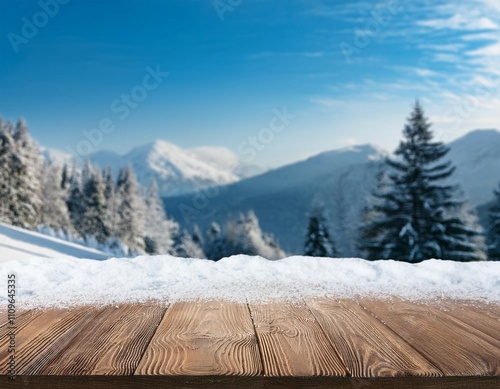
<point x="459" y="22"/>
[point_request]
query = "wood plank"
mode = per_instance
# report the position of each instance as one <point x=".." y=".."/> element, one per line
<point x="256" y="382"/>
<point x="112" y="344"/>
<point x="483" y="317"/>
<point x="208" y="338"/>
<point x="456" y="350"/>
<point x="44" y="337"/>
<point x="367" y="347"/>
<point x="292" y="342"/>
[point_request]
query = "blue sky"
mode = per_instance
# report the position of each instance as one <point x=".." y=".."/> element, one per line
<point x="347" y="71"/>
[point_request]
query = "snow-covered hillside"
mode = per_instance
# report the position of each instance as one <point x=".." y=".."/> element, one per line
<point x="65" y="281"/>
<point x="17" y="243"/>
<point x="477" y="157"/>
<point x="179" y="170"/>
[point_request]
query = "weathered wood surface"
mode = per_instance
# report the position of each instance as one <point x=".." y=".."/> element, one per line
<point x="456" y="348"/>
<point x="367" y="347"/>
<point x="209" y="338"/>
<point x="292" y="342"/>
<point x="313" y="344"/>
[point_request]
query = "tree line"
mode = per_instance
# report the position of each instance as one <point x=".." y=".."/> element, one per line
<point x="114" y="214"/>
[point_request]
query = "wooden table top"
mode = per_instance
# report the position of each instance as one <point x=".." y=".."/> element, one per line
<point x="312" y="343"/>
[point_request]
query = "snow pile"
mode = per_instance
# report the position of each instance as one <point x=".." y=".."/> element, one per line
<point x="66" y="281"/>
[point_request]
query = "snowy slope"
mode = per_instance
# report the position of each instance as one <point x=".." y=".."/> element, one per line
<point x="178" y="170"/>
<point x="282" y="198"/>
<point x="17" y="243"/>
<point x="64" y="281"/>
<point x="477" y="157"/>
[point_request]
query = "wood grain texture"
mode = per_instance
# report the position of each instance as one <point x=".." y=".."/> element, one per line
<point x="112" y="344"/>
<point x="44" y="337"/>
<point x="256" y="382"/>
<point x="483" y="317"/>
<point x="208" y="338"/>
<point x="456" y="349"/>
<point x="367" y="347"/>
<point x="292" y="343"/>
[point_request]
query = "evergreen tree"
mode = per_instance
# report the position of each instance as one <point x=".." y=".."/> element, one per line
<point x="54" y="210"/>
<point x="160" y="230"/>
<point x="75" y="202"/>
<point x="131" y="211"/>
<point x="419" y="215"/>
<point x="9" y="165"/>
<point x="318" y="241"/>
<point x="214" y="246"/>
<point x="26" y="203"/>
<point x="494" y="229"/>
<point x="244" y="236"/>
<point x="186" y="247"/>
<point x="94" y="208"/>
<point x="112" y="201"/>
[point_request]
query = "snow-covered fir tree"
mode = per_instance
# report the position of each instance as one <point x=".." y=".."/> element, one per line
<point x="112" y="201"/>
<point x="160" y="230"/>
<point x="94" y="208"/>
<point x="494" y="229"/>
<point x="20" y="178"/>
<point x="186" y="247"/>
<point x="214" y="244"/>
<point x="54" y="210"/>
<point x="420" y="215"/>
<point x="131" y="211"/>
<point x="318" y="240"/>
<point x="244" y="236"/>
<point x="75" y="202"/>
<point x="9" y="163"/>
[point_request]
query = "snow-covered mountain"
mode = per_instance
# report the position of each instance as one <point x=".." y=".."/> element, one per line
<point x="178" y="170"/>
<point x="339" y="180"/>
<point x="282" y="198"/>
<point x="477" y="157"/>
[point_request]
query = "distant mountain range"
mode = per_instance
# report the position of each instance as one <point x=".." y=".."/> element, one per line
<point x="176" y="170"/>
<point x="282" y="198"/>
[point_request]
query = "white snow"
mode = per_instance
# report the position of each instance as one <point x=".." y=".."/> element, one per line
<point x="17" y="243"/>
<point x="53" y="272"/>
<point x="69" y="281"/>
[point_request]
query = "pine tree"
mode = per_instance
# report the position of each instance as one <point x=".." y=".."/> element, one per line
<point x="131" y="211"/>
<point x="318" y="241"/>
<point x="26" y="203"/>
<point x="160" y="230"/>
<point x="75" y="202"/>
<point x="494" y="229"/>
<point x="112" y="201"/>
<point x="186" y="247"/>
<point x="9" y="164"/>
<point x="54" y="210"/>
<point x="419" y="215"/>
<point x="214" y="245"/>
<point x="94" y="208"/>
<point x="244" y="236"/>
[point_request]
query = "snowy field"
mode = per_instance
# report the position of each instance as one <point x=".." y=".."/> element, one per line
<point x="52" y="272"/>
